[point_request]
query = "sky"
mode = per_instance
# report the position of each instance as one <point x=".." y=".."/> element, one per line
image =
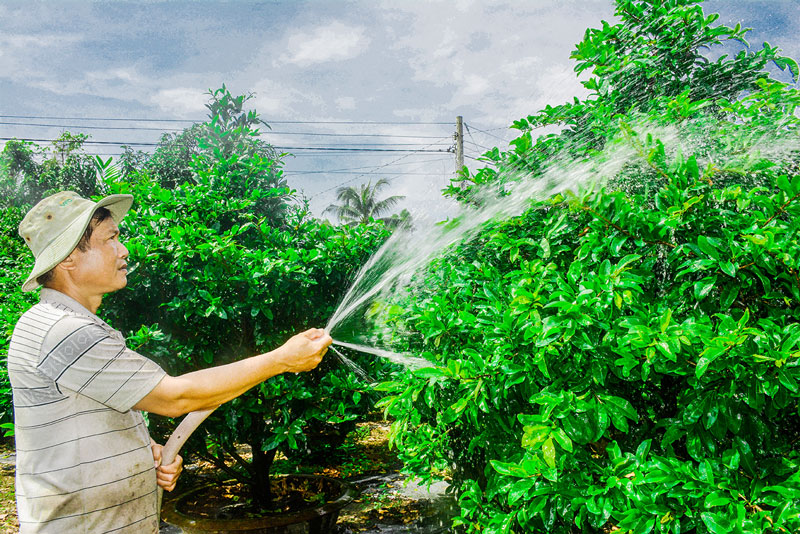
<point x="354" y="90"/>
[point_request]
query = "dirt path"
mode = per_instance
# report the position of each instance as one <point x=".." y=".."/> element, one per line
<point x="8" y="505"/>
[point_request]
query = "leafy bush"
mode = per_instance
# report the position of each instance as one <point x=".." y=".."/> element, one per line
<point x="222" y="266"/>
<point x="627" y="359"/>
<point x="16" y="263"/>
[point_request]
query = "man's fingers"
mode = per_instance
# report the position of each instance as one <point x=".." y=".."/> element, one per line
<point x="173" y="468"/>
<point x="156" y="448"/>
<point x="314" y="333"/>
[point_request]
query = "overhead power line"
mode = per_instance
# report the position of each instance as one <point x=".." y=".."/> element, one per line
<point x="418" y="162"/>
<point x="87" y="127"/>
<point x="269" y="132"/>
<point x="353" y="148"/>
<point x="488" y="132"/>
<point x="135" y="119"/>
<point x="388" y="173"/>
<point x="487" y="162"/>
<point x="375" y="170"/>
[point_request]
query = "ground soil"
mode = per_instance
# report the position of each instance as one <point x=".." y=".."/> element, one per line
<point x="365" y="452"/>
<point x="234" y="500"/>
<point x="8" y="506"/>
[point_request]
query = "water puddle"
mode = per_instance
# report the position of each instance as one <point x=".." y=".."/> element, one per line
<point x="390" y="503"/>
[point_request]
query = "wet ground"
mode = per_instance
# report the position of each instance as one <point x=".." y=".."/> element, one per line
<point x="390" y="504"/>
<point x="419" y="509"/>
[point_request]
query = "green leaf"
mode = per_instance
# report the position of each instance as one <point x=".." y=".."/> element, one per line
<point x="716" y="498"/>
<point x="643" y="450"/>
<point x="703" y="287"/>
<point x="430" y="372"/>
<point x="716" y="523"/>
<point x="707" y="247"/>
<point x="562" y="439"/>
<point x="627" y="260"/>
<point x="728" y="296"/>
<point x="746" y="459"/>
<point x="707" y="357"/>
<point x="509" y="469"/>
<point x="728" y="268"/>
<point x="533" y="435"/>
<point x="788" y="381"/>
<point x="665" y="320"/>
<point x="519" y="490"/>
<point x="549" y="452"/>
<point x="621" y="406"/>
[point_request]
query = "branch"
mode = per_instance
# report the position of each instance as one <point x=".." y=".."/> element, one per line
<point x="624" y="231"/>
<point x="244" y="464"/>
<point x="220" y="464"/>
<point x="781" y="210"/>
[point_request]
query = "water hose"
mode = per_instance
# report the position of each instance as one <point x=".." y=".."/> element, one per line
<point x="179" y="437"/>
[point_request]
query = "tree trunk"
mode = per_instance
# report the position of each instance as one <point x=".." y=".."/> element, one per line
<point x="262" y="463"/>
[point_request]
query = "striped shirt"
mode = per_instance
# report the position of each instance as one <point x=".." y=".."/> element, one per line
<point x="84" y="463"/>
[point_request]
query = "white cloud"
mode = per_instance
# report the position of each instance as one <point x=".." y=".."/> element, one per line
<point x="495" y="76"/>
<point x="345" y="103"/>
<point x="333" y="42"/>
<point x="475" y="85"/>
<point x="29" y="41"/>
<point x="181" y="101"/>
<point x="280" y="99"/>
<point x="119" y="74"/>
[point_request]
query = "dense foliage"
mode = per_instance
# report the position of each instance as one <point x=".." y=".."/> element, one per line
<point x="224" y="266"/>
<point x="15" y="265"/>
<point x="627" y="359"/>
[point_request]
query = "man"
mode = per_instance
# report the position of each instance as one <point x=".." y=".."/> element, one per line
<point x="85" y="461"/>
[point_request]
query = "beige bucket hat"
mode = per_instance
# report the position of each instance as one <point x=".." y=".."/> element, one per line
<point x="54" y="226"/>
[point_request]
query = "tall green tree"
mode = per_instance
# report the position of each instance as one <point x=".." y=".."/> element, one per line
<point x="658" y="51"/>
<point x="359" y="205"/>
<point x="30" y="172"/>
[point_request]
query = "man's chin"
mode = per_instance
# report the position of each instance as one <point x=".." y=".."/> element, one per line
<point x="121" y="283"/>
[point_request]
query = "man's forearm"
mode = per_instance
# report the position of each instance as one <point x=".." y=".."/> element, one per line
<point x="208" y="388"/>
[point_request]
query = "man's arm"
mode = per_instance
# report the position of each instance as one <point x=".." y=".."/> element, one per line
<point x="208" y="388"/>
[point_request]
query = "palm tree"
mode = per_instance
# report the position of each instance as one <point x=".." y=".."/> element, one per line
<point x="360" y="204"/>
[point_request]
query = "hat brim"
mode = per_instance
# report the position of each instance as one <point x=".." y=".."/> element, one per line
<point x="64" y="243"/>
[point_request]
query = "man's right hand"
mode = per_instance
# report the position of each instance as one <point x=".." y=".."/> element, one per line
<point x="304" y="351"/>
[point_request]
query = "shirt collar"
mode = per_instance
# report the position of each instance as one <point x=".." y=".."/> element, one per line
<point x="57" y="297"/>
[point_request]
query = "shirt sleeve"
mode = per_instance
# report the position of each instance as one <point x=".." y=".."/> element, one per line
<point x="82" y="356"/>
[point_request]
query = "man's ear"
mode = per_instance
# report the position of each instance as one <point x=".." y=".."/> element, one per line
<point x="68" y="263"/>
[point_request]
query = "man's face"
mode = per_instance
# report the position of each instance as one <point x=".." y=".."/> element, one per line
<point x="103" y="266"/>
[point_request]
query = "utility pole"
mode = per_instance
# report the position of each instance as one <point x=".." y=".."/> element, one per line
<point x="459" y="137"/>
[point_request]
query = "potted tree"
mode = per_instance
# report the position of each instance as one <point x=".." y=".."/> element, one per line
<point x="224" y="265"/>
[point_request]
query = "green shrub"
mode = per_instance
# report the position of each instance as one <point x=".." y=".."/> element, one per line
<point x="16" y="263"/>
<point x="627" y="359"/>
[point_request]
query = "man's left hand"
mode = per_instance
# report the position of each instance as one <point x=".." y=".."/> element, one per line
<point x="166" y="475"/>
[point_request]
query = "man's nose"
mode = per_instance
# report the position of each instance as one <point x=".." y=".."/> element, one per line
<point x="123" y="252"/>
